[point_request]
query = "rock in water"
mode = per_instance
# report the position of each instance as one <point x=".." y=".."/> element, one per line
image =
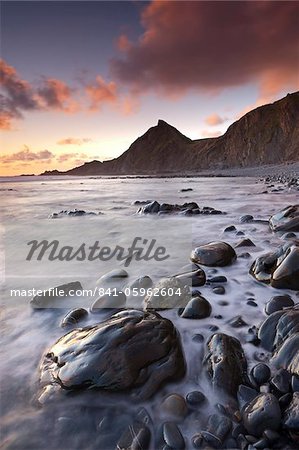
<point x="213" y="254"/>
<point x="280" y="268"/>
<point x="226" y="363"/>
<point x="277" y="303"/>
<point x="278" y="327"/>
<point x="279" y="334"/>
<point x="262" y="413"/>
<point x="286" y="220"/>
<point x="133" y="350"/>
<point x="197" y="308"/>
<point x="73" y="317"/>
<point x="168" y="293"/>
<point x="52" y="297"/>
<point x="136" y="437"/>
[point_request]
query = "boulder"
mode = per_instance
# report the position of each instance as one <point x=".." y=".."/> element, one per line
<point x="214" y="254"/>
<point x="132" y="350"/>
<point x="226" y="363"/>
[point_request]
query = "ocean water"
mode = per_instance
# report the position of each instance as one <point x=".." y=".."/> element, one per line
<point x="76" y="421"/>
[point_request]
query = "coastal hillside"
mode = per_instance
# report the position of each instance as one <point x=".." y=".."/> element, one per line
<point x="266" y="135"/>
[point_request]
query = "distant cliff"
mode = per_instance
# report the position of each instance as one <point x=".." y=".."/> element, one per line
<point x="266" y="135"/>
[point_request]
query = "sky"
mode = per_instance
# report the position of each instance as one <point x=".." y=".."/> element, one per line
<point x="81" y="80"/>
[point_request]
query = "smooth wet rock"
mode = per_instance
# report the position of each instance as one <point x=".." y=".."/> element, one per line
<point x="114" y="274"/>
<point x="137" y="291"/>
<point x="197" y="308"/>
<point x="237" y="322"/>
<point x="245" y="243"/>
<point x="278" y="327"/>
<point x="174" y="405"/>
<point x="219" y="425"/>
<point x="287" y="355"/>
<point x="195" y="398"/>
<point x="168" y="293"/>
<point x="245" y="395"/>
<point x="281" y="381"/>
<point x="133" y="350"/>
<point x="226" y="363"/>
<point x="136" y="437"/>
<point x="219" y="290"/>
<point x="73" y="317"/>
<point x="260" y="373"/>
<point x="280" y="268"/>
<point x="285" y="220"/>
<point x="214" y="254"/>
<point x="230" y="228"/>
<point x="262" y="413"/>
<point x="53" y="297"/>
<point x="114" y="299"/>
<point x="277" y="303"/>
<point x="195" y="278"/>
<point x="172" y="436"/>
<point x="217" y="279"/>
<point x="246" y="218"/>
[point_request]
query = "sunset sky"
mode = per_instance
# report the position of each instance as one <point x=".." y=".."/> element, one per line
<point x="82" y="80"/>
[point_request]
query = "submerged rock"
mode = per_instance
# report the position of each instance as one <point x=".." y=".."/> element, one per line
<point x="133" y="350"/>
<point x="226" y="363"/>
<point x="213" y="254"/>
<point x="72" y="213"/>
<point x="280" y="268"/>
<point x="286" y="220"/>
<point x="190" y="208"/>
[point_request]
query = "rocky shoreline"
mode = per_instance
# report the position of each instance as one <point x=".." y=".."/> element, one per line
<point x="135" y="351"/>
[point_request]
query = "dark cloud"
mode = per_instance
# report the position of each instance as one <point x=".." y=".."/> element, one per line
<point x="212" y="45"/>
<point x="20" y="96"/>
<point x="27" y="155"/>
<point x="57" y="95"/>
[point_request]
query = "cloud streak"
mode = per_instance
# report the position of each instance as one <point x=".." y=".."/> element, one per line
<point x="74" y="141"/>
<point x="209" y="46"/>
<point x="27" y="155"/>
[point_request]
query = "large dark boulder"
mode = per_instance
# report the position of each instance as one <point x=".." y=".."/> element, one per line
<point x="226" y="363"/>
<point x="133" y="350"/>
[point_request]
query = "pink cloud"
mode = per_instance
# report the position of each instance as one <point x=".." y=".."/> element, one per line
<point x="209" y="46"/>
<point x="101" y="92"/>
<point x="27" y="155"/>
<point x="215" y="119"/>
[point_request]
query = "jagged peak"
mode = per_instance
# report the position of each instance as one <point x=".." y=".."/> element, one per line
<point x="162" y="123"/>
